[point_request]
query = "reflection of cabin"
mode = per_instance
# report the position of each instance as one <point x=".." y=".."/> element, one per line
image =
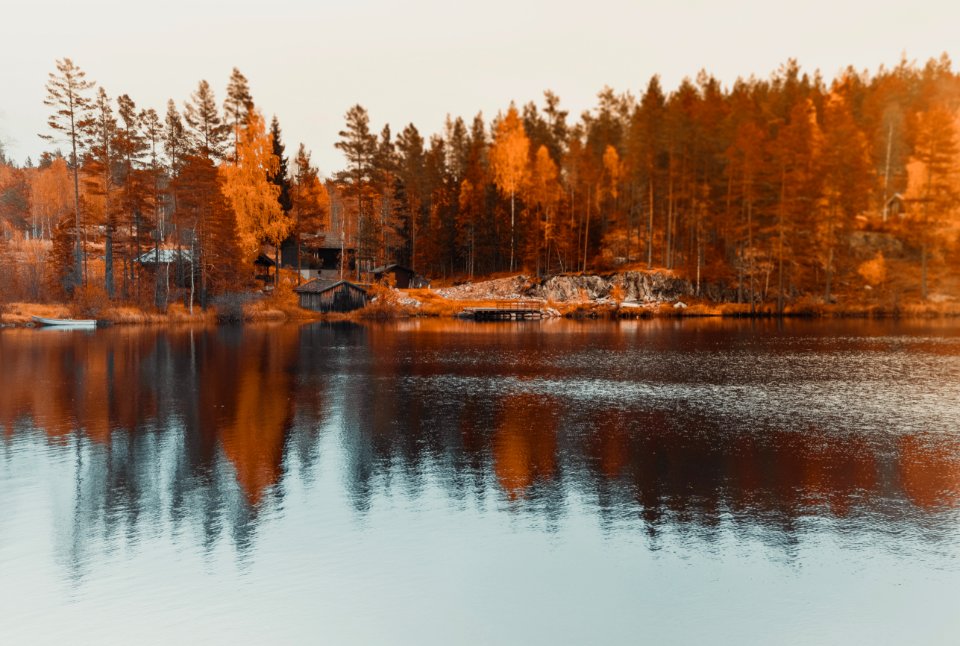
<point x="326" y="296"/>
<point x="400" y="276"/>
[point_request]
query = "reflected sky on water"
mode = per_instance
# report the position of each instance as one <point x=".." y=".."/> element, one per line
<point x="453" y="482"/>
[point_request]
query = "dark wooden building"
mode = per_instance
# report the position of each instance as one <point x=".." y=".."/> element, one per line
<point x="400" y="277"/>
<point x="331" y="296"/>
<point x="262" y="266"/>
<point x="174" y="264"/>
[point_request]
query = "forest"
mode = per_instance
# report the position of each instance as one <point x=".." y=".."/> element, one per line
<point x="773" y="191"/>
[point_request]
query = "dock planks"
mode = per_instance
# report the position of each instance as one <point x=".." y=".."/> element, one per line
<point x="506" y="311"/>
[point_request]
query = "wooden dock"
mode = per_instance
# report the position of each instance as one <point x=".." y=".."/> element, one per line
<point x="506" y="311"/>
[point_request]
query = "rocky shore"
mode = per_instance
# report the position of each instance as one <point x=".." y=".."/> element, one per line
<point x="627" y="287"/>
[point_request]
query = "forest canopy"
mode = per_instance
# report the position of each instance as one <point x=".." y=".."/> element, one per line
<point x="768" y="191"/>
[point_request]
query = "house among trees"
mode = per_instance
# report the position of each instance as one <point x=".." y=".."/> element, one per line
<point x="325" y="245"/>
<point x="895" y="205"/>
<point x="262" y="266"/>
<point x="319" y="255"/>
<point x="400" y="277"/>
<point x="331" y="296"/>
<point x="175" y="263"/>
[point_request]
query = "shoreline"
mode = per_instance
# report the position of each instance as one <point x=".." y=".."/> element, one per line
<point x="19" y="315"/>
<point x="626" y="295"/>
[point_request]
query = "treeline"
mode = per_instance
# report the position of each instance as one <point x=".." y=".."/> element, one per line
<point x="184" y="201"/>
<point x="771" y="190"/>
<point x="759" y="188"/>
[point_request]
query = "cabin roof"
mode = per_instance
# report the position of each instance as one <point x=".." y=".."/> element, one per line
<point x="167" y="255"/>
<point x="319" y="285"/>
<point x="263" y="260"/>
<point x="392" y="267"/>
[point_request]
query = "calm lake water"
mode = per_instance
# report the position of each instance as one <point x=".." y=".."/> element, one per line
<point x="685" y="482"/>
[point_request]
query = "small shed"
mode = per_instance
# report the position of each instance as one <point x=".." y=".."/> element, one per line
<point x="326" y="296"/>
<point x="403" y="277"/>
<point x="896" y="205"/>
<point x="262" y="266"/>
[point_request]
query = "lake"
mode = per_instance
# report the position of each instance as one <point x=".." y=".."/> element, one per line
<point x="441" y="482"/>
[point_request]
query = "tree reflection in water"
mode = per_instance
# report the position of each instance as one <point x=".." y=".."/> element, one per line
<point x="194" y="431"/>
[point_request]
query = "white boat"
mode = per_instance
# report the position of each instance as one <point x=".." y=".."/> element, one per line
<point x="78" y="323"/>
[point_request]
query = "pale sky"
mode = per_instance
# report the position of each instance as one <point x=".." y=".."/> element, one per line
<point x="418" y="60"/>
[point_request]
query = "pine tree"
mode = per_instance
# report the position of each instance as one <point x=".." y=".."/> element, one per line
<point x="100" y="179"/>
<point x="131" y="147"/>
<point x="935" y="158"/>
<point x="176" y="146"/>
<point x="237" y="106"/>
<point x="62" y="269"/>
<point x="846" y="182"/>
<point x="649" y="151"/>
<point x="359" y="146"/>
<point x="311" y="203"/>
<point x="410" y="177"/>
<point x="208" y="131"/>
<point x="153" y="137"/>
<point x="281" y="179"/>
<point x="215" y="253"/>
<point x="67" y="94"/>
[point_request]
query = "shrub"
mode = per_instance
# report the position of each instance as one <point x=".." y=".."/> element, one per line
<point x="89" y="301"/>
<point x="230" y="306"/>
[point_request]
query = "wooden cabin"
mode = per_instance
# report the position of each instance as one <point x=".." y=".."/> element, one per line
<point x="400" y="277"/>
<point x="326" y="296"/>
<point x="262" y="266"/>
<point x="174" y="263"/>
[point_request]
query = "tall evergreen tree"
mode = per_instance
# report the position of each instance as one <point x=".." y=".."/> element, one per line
<point x="281" y="179"/>
<point x="215" y="255"/>
<point x="208" y="133"/>
<point x="152" y="129"/>
<point x="101" y="179"/>
<point x="411" y="180"/>
<point x="176" y="146"/>
<point x="311" y="204"/>
<point x="237" y="106"/>
<point x="935" y="157"/>
<point x="67" y="94"/>
<point x="131" y="147"/>
<point x="359" y="146"/>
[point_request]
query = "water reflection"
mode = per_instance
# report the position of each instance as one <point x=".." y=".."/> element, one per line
<point x="653" y="428"/>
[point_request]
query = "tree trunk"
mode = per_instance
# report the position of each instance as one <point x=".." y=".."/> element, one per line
<point x="513" y="237"/>
<point x="829" y="275"/>
<point x="753" y="296"/>
<point x="156" y="265"/>
<point x="133" y="265"/>
<point x="276" y="266"/>
<point x="193" y="260"/>
<point x="650" y="228"/>
<point x="79" y="260"/>
<point x="923" y="269"/>
<point x="108" y="261"/>
<point x="586" y="232"/>
<point x="780" y="226"/>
